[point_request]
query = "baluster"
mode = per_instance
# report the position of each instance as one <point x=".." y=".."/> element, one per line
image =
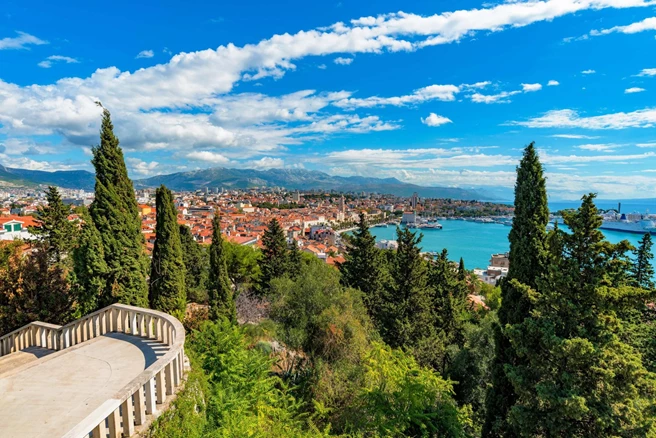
<point x="114" y="424"/>
<point x="169" y="378"/>
<point x="128" y="417"/>
<point x="139" y="407"/>
<point x="100" y="431"/>
<point x="161" y="390"/>
<point x="151" y="407"/>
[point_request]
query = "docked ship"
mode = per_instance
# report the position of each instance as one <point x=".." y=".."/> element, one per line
<point x="634" y="223"/>
<point x="430" y="226"/>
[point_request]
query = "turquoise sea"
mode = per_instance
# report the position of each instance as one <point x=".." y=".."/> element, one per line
<point x="475" y="242"/>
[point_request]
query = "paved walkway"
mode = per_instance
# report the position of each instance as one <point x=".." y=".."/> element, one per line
<point x="48" y="396"/>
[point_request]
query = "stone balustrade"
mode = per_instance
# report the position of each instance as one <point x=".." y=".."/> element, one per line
<point x="129" y="407"/>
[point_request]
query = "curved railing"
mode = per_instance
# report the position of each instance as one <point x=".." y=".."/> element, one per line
<point x="128" y="408"/>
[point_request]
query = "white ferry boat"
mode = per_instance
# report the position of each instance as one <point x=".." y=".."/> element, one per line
<point x="631" y="224"/>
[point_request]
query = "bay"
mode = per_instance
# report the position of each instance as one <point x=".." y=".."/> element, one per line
<point x="475" y="242"/>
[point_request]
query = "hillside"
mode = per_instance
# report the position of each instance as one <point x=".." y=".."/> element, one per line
<point x="297" y="179"/>
<point x="290" y="179"/>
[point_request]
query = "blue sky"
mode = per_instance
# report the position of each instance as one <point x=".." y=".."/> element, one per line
<point x="433" y="93"/>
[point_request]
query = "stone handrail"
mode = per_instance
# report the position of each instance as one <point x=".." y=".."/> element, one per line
<point x="128" y="408"/>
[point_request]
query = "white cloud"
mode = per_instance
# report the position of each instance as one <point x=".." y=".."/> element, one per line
<point x="321" y="66"/>
<point x="568" y="118"/>
<point x="553" y="83"/>
<point x="142" y="168"/>
<point x="208" y="157"/>
<point x="646" y="145"/>
<point x="444" y="93"/>
<point x="598" y="147"/>
<point x="435" y="120"/>
<point x="527" y="88"/>
<point x="145" y="54"/>
<point x="575" y="136"/>
<point x="154" y="106"/>
<point x="588" y="72"/>
<point x="647" y="72"/>
<point x="50" y="60"/>
<point x="633" y="90"/>
<point x="493" y="98"/>
<point x="641" y="26"/>
<point x="265" y="163"/>
<point x="22" y="41"/>
<point x="343" y="61"/>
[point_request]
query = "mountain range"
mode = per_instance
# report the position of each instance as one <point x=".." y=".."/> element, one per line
<point x="219" y="177"/>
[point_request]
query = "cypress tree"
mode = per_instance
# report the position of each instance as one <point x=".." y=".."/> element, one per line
<point x="167" y="282"/>
<point x="274" y="262"/>
<point x="642" y="270"/>
<point x="365" y="268"/>
<point x="115" y="215"/>
<point x="221" y="300"/>
<point x="527" y="263"/>
<point x="89" y="267"/>
<point x="197" y="265"/>
<point x="462" y="272"/>
<point x="576" y="377"/>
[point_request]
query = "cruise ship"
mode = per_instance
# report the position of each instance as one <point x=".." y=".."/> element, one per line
<point x="632" y="224"/>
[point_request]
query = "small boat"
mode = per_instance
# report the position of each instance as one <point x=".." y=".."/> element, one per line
<point x="430" y="226"/>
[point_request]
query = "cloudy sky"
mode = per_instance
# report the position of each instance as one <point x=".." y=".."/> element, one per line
<point x="434" y="93"/>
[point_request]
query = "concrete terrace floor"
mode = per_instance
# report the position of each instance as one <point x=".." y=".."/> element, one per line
<point x="45" y="394"/>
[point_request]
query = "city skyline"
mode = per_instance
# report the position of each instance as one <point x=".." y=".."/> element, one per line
<point x="429" y="96"/>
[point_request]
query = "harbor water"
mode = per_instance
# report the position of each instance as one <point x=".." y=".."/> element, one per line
<point x="474" y="241"/>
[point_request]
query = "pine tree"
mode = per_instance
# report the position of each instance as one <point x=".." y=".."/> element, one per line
<point x="365" y="268"/>
<point x="449" y="303"/>
<point x="275" y="255"/>
<point x="407" y="317"/>
<point x="576" y="377"/>
<point x="89" y="267"/>
<point x="221" y="300"/>
<point x="642" y="270"/>
<point x="527" y="263"/>
<point x="115" y="215"/>
<point x="167" y="282"/>
<point x="197" y="265"/>
<point x="56" y="234"/>
<point x="295" y="260"/>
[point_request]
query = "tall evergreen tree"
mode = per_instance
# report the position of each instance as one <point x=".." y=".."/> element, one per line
<point x="462" y="272"/>
<point x="56" y="234"/>
<point x="527" y="263"/>
<point x="365" y="268"/>
<point x="197" y="265"/>
<point x="115" y="215"/>
<point x="642" y="270"/>
<point x="576" y="377"/>
<point x="449" y="302"/>
<point x="90" y="267"/>
<point x="221" y="299"/>
<point x="275" y="255"/>
<point x="407" y="317"/>
<point x="167" y="282"/>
